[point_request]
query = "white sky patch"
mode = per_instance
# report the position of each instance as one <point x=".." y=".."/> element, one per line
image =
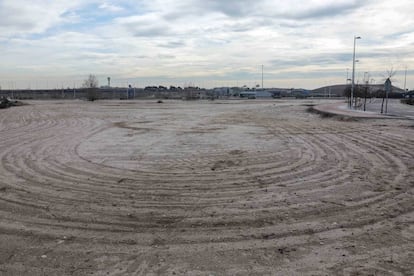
<point x="300" y="43"/>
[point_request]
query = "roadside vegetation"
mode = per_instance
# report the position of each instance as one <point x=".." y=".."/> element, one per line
<point x="409" y="101"/>
<point x="5" y="103"/>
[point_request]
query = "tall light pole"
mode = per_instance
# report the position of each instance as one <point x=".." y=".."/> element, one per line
<point x="353" y="73"/>
<point x="405" y="79"/>
<point x="262" y="77"/>
<point x="347" y="76"/>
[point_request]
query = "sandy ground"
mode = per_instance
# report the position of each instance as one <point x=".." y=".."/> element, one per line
<point x="203" y="188"/>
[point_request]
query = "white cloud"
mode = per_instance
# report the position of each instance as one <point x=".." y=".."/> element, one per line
<point x="302" y="41"/>
<point x="20" y="17"/>
<point x="110" y="7"/>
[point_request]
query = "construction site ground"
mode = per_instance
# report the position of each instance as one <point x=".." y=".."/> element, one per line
<point x="237" y="187"/>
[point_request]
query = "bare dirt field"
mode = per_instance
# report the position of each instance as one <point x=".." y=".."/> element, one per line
<point x="203" y="188"/>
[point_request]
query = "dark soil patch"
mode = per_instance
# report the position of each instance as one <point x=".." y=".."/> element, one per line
<point x="325" y="114"/>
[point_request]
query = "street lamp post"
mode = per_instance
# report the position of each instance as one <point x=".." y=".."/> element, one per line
<point x="405" y="79"/>
<point x="262" y="77"/>
<point x="353" y="73"/>
<point x="347" y="76"/>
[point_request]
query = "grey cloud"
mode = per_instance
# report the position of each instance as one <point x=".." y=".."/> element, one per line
<point x="150" y="25"/>
<point x="147" y="31"/>
<point x="11" y="19"/>
<point x="264" y="9"/>
<point x="293" y="24"/>
<point x="230" y="8"/>
<point x="321" y="60"/>
<point x="385" y="53"/>
<point x="150" y="31"/>
<point x="397" y="35"/>
<point x="249" y="24"/>
<point x="18" y="17"/>
<point x="332" y="58"/>
<point x="233" y="8"/>
<point x="164" y="56"/>
<point x="172" y="44"/>
<point x="295" y="74"/>
<point x="17" y="24"/>
<point x="331" y="10"/>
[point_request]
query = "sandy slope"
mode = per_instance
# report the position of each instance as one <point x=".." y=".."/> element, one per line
<point x="203" y="188"/>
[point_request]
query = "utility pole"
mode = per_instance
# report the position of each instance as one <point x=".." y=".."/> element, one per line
<point x="405" y="79"/>
<point x="347" y="76"/>
<point x="262" y="76"/>
<point x="366" y="80"/>
<point x="353" y="72"/>
<point x="388" y="85"/>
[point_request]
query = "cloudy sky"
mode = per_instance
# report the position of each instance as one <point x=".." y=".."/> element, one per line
<point x="208" y="43"/>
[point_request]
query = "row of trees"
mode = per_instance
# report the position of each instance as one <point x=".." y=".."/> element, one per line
<point x="361" y="93"/>
<point x="364" y="92"/>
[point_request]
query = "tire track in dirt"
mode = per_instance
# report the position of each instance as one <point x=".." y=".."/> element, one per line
<point x="309" y="179"/>
<point x="260" y="173"/>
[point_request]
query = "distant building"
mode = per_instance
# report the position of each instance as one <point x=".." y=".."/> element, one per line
<point x="248" y="94"/>
<point x="263" y="94"/>
<point x="221" y="91"/>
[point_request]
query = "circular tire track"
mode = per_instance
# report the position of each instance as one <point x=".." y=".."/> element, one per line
<point x="261" y="178"/>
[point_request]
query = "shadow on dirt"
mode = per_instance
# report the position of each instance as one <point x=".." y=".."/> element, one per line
<point x="324" y="114"/>
<point x="6" y="103"/>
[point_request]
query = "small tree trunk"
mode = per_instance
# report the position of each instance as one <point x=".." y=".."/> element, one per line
<point x="365" y="99"/>
<point x="386" y="103"/>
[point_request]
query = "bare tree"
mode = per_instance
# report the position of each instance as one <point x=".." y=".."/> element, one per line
<point x="387" y="89"/>
<point x="91" y="86"/>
